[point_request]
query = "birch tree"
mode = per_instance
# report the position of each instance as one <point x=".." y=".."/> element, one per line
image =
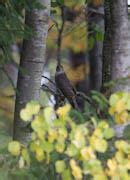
<point x="120" y="68"/>
<point x="31" y="66"/>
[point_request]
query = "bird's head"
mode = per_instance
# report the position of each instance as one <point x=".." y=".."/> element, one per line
<point x="59" y="69"/>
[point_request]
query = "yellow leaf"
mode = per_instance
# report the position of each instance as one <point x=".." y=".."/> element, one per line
<point x="76" y="170"/>
<point x="63" y="111"/>
<point x="63" y="133"/>
<point x="49" y="115"/>
<point x="79" y="139"/>
<point x="77" y="173"/>
<point x="72" y="163"/>
<point x="98" y="133"/>
<point x="122" y="117"/>
<point x="112" y="164"/>
<point x="128" y="165"/>
<point x="120" y="106"/>
<point x="37" y="124"/>
<point x="100" y="145"/>
<point x="33" y="107"/>
<point x="14" y="148"/>
<point x="112" y="110"/>
<point x="40" y="134"/>
<point x="60" y="147"/>
<point x="25" y="115"/>
<point x="122" y="145"/>
<point x="40" y="154"/>
<point x="119" y="156"/>
<point x="52" y="135"/>
<point x="87" y="153"/>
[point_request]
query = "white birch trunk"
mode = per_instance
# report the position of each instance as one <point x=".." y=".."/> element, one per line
<point x="120" y="44"/>
<point x="32" y="62"/>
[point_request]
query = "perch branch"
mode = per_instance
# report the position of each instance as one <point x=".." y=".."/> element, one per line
<point x="49" y="80"/>
<point x="46" y="88"/>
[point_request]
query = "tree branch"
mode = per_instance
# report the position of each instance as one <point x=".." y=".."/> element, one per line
<point x="59" y="40"/>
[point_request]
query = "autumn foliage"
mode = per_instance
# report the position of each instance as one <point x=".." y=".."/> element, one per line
<point x="88" y="149"/>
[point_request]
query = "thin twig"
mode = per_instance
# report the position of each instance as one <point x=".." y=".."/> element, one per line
<point x="50" y="27"/>
<point x="49" y="80"/>
<point x="86" y="98"/>
<point x="59" y="40"/>
<point x="46" y="88"/>
<point x="55" y="23"/>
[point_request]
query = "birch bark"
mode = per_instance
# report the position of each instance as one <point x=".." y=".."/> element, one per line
<point x="32" y="62"/>
<point x="120" y="44"/>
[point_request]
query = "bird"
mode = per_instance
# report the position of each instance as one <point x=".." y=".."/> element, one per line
<point x="65" y="86"/>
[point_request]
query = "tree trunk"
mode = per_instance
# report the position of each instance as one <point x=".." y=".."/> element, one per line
<point x="107" y="44"/>
<point x="31" y="66"/>
<point x="95" y="19"/>
<point x="120" y="44"/>
<point x="80" y="80"/>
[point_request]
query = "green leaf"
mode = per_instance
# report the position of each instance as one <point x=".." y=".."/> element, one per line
<point x="37" y="124"/>
<point x="71" y="150"/>
<point x="60" y="2"/>
<point x="113" y="99"/>
<point x="47" y="146"/>
<point x="100" y="145"/>
<point x="66" y="175"/>
<point x="48" y="115"/>
<point x="25" y="115"/>
<point x="53" y="11"/>
<point x="26" y="156"/>
<point x="14" y="148"/>
<point x="92" y="166"/>
<point x="33" y="107"/>
<point x="100" y="95"/>
<point x="108" y="133"/>
<point x="60" y="146"/>
<point x="54" y="4"/>
<point x="103" y="125"/>
<point x="60" y="166"/>
<point x="100" y="177"/>
<point x="99" y="36"/>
